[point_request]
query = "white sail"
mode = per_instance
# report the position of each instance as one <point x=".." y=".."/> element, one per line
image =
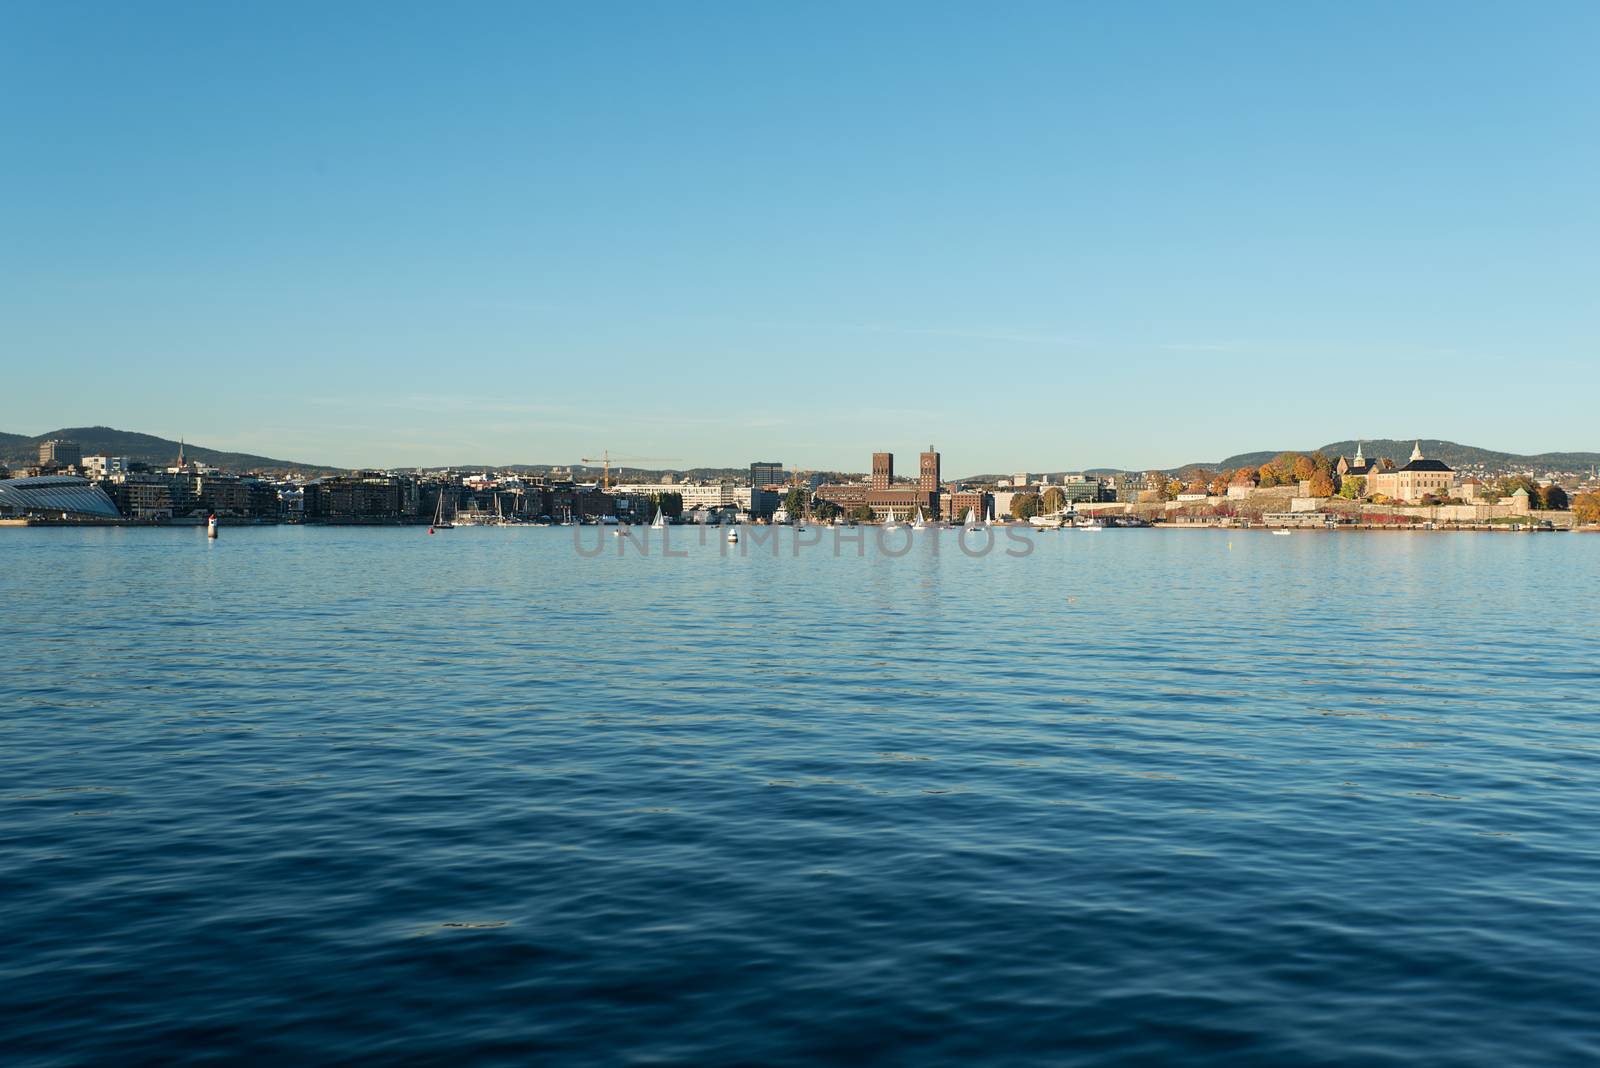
<point x="658" y="522"/>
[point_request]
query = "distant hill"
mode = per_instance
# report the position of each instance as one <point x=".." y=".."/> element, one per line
<point x="20" y="449"/>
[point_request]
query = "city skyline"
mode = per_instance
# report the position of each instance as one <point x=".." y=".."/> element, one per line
<point x="1570" y="458"/>
<point x="1132" y="236"/>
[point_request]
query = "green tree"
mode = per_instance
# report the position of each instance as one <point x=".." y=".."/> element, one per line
<point x="1352" y="487"/>
<point x="826" y="511"/>
<point x="861" y="514"/>
<point x="671" y="504"/>
<point x="1024" y="506"/>
<point x="1053" y="500"/>
<point x="795" y="502"/>
<point x="1554" y="498"/>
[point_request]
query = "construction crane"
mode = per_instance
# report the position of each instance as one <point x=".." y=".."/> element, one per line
<point x="605" y="460"/>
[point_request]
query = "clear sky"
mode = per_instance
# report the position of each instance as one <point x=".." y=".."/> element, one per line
<point x="1038" y="235"/>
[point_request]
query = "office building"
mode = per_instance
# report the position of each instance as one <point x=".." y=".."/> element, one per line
<point x="764" y="473"/>
<point x="56" y="453"/>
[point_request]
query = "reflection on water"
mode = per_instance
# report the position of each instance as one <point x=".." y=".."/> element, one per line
<point x="329" y="795"/>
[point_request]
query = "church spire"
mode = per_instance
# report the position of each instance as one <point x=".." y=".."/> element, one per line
<point x="1359" y="458"/>
<point x="1416" y="453"/>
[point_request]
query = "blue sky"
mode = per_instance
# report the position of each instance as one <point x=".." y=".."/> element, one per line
<point x="1041" y="236"/>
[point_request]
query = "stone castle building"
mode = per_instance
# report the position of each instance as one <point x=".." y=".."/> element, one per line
<point x="1419" y="477"/>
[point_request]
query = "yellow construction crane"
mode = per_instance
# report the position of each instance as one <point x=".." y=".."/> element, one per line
<point x="605" y="460"/>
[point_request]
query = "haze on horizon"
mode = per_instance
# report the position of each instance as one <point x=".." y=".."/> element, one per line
<point x="1050" y="237"/>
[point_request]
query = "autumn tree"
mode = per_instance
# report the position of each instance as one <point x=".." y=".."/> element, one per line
<point x="1321" y="484"/>
<point x="1244" y="476"/>
<point x="1024" y="506"/>
<point x="1304" y="468"/>
<point x="1219" y="486"/>
<point x="1507" y="485"/>
<point x="1053" y="500"/>
<point x="1267" y="476"/>
<point x="1586" y="508"/>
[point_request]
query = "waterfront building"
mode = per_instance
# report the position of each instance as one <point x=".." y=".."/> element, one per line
<point x="100" y="468"/>
<point x="55" y="497"/>
<point x="695" y="495"/>
<point x="955" y="504"/>
<point x="361" y="497"/>
<point x="1083" y="489"/>
<point x="142" y="496"/>
<point x="885" y="498"/>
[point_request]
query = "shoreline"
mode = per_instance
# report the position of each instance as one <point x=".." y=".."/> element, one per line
<point x="1318" y="528"/>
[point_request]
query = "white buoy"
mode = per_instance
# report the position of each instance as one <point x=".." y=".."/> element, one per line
<point x="211" y="526"/>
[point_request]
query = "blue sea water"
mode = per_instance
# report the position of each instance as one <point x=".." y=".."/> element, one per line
<point x="314" y="796"/>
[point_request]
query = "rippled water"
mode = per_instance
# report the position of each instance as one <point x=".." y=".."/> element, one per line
<point x="327" y="795"/>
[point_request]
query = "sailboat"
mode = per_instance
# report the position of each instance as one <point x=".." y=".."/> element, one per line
<point x="918" y="522"/>
<point x="439" y="522"/>
<point x="889" y="523"/>
<point x="659" y="522"/>
<point x="974" y="519"/>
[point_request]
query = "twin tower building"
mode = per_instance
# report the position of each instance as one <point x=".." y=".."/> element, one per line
<point x="903" y="501"/>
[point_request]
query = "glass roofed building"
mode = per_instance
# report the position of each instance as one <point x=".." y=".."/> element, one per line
<point x="56" y="497"/>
